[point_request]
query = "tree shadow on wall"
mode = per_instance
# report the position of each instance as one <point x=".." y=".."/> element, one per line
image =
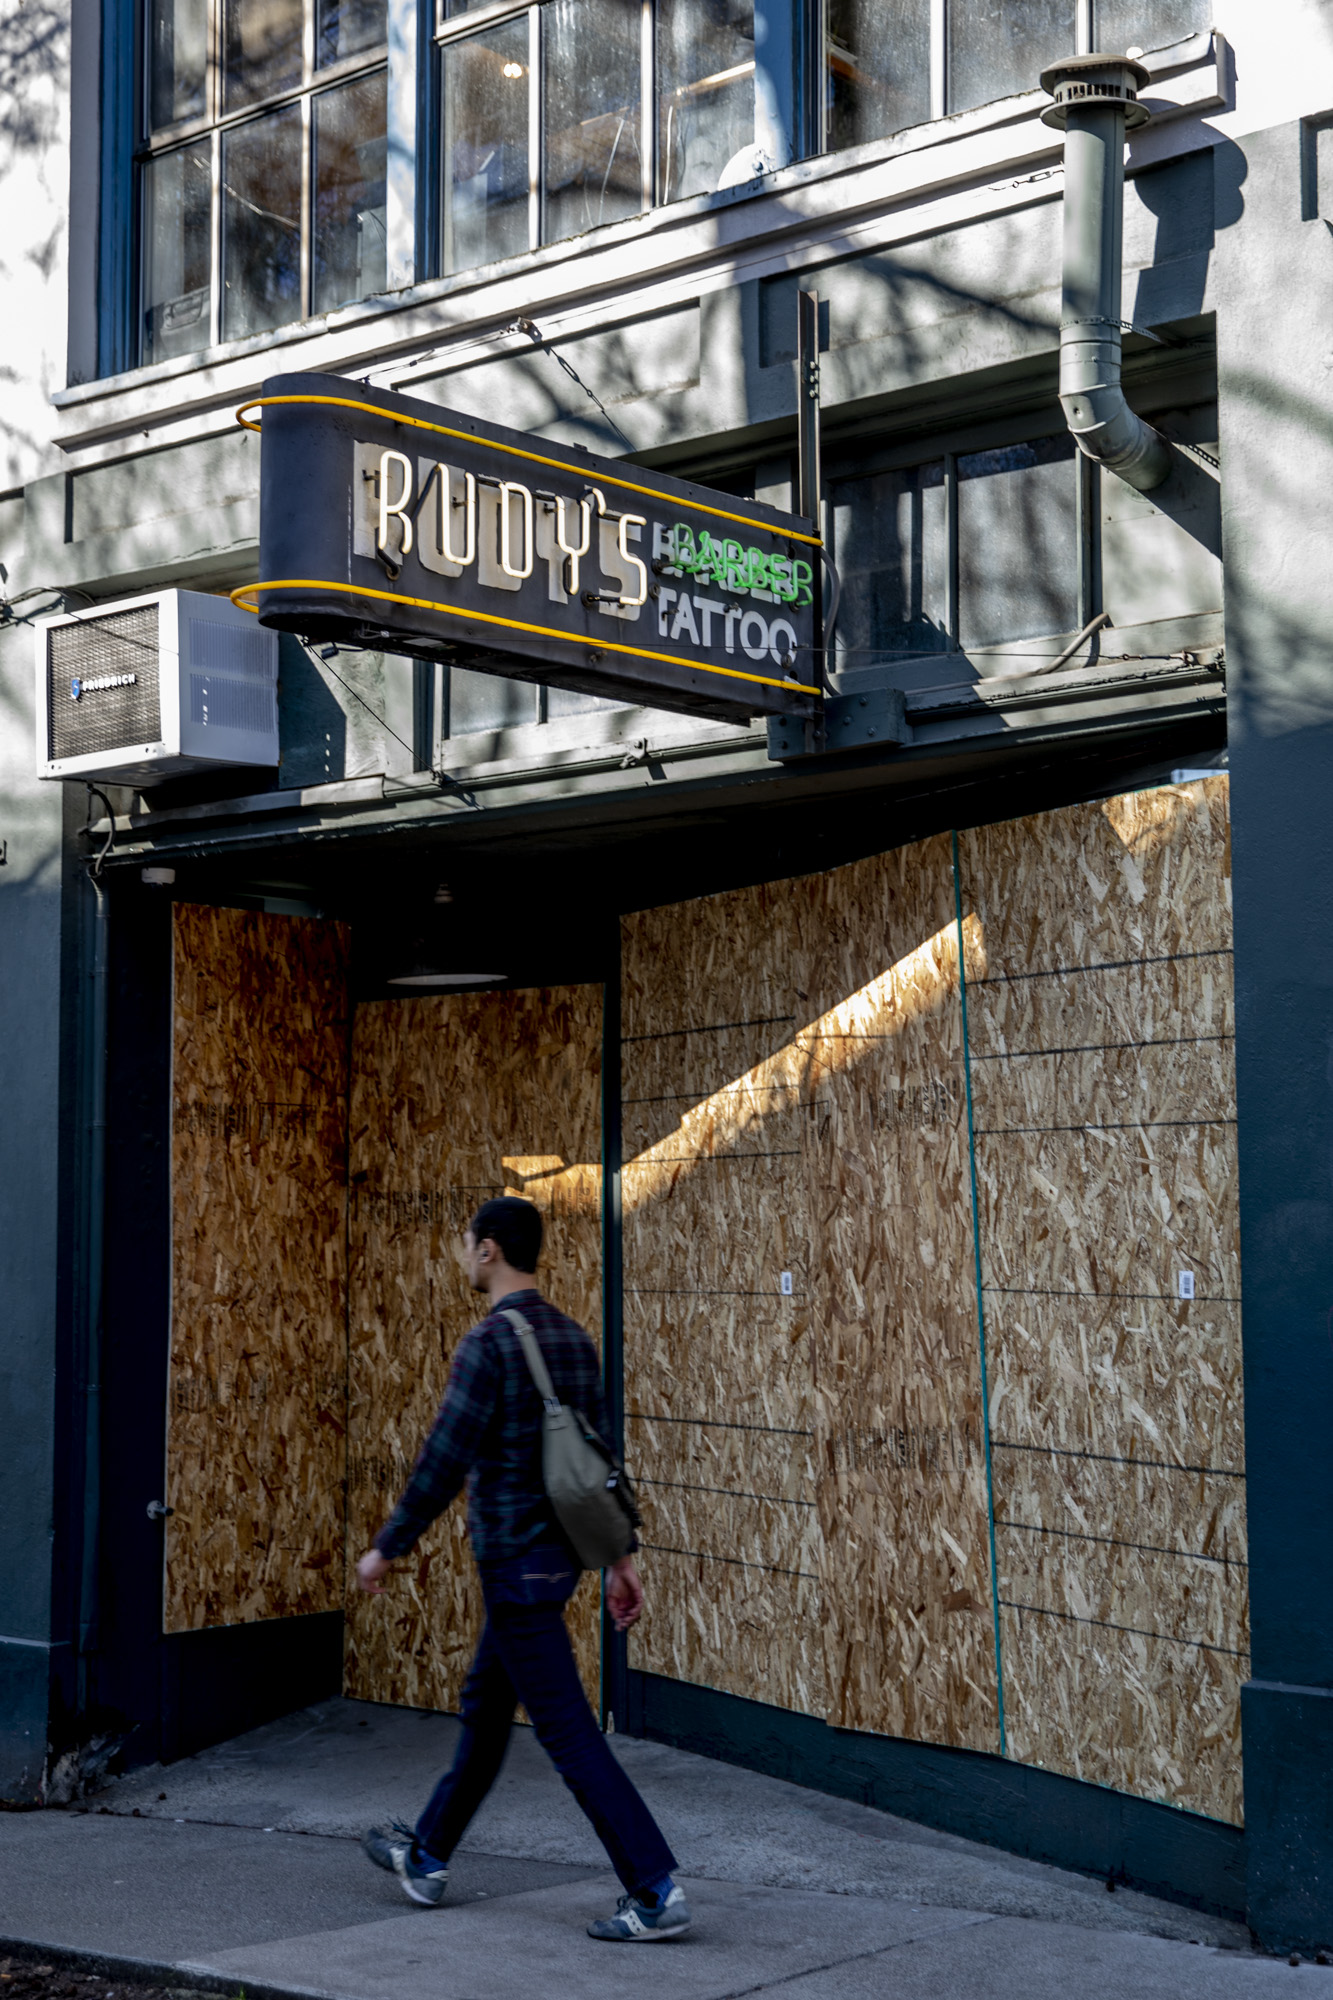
<point x="34" y="46"/>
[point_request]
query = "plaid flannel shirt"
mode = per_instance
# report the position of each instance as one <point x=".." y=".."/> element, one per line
<point x="489" y="1434"/>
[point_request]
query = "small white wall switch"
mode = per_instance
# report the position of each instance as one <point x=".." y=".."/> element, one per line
<point x="1185" y="1284"/>
<point x="784" y="1284"/>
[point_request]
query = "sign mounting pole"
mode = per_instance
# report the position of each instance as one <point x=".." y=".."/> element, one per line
<point x="809" y="479"/>
<point x="807" y="410"/>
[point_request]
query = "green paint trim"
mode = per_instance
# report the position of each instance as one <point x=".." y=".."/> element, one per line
<point x="981" y="1308"/>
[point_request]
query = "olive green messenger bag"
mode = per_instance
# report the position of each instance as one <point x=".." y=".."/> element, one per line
<point x="585" y="1482"/>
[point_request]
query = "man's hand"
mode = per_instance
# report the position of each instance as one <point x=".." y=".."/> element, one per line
<point x="371" y="1570"/>
<point x="624" y="1593"/>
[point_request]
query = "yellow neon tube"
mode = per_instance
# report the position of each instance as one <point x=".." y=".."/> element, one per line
<point x="516" y="451"/>
<point x="511" y="624"/>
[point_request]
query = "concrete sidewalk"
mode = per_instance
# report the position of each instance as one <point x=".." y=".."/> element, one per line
<point x="242" y="1861"/>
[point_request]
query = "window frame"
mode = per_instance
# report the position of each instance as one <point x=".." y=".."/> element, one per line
<point x="213" y="124"/>
<point x="809" y="137"/>
<point x="1020" y="426"/>
<point x="417" y="33"/>
<point x="449" y="30"/>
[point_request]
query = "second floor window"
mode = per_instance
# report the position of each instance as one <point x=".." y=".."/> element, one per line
<point x="262" y="170"/>
<point x="545" y="131"/>
<point x="262" y="162"/>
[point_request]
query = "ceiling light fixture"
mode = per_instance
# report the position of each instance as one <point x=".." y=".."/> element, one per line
<point x="448" y="979"/>
<point x="513" y="69"/>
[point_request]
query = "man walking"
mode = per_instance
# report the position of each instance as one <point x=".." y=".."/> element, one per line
<point x="489" y="1433"/>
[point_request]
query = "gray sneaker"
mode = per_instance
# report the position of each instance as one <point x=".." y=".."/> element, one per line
<point x="423" y="1881"/>
<point x="635" y="1923"/>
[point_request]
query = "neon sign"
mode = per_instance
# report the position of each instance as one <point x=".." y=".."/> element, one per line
<point x="390" y="523"/>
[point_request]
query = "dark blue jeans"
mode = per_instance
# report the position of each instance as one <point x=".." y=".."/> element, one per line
<point x="525" y="1655"/>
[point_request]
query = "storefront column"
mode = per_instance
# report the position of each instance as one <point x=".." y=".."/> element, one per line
<point x="1279" y="626"/>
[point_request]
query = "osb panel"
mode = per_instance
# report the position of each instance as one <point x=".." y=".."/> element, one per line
<point x="1173" y="1002"/>
<point x="1144" y="1506"/>
<point x="749" y="1355"/>
<point x="682" y="1262"/>
<point x="454" y="1098"/>
<point x="1106" y="1163"/>
<point x="689" y="969"/>
<point x="256" y="1435"/>
<point x="1143" y="1715"/>
<point x="1123" y="1378"/>
<point x="765" y="1532"/>
<point x="718" y="1359"/>
<point x="1110" y="1211"/>
<point x="723" y="1458"/>
<point x="1145" y="875"/>
<point x="902" y="1493"/>
<point x="1094" y="1572"/>
<point x="752" y="1632"/>
<point x="1168" y="1083"/>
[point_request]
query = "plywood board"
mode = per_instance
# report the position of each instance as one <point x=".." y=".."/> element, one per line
<point x="454" y="1099"/>
<point x="794" y="1099"/>
<point x="718" y="1358"/>
<point x="905" y="1562"/>
<point x="814" y="1466"/>
<point x="1141" y="877"/>
<point x="1102" y="1061"/>
<point x="1141" y="1714"/>
<point x="258" y="1381"/>
<point x="1121" y="1377"/>
<point x="1110" y="1212"/>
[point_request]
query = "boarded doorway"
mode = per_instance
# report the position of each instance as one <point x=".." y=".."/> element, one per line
<point x="455" y="1098"/>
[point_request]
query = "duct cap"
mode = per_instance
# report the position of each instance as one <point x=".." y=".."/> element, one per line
<point x="1095" y="80"/>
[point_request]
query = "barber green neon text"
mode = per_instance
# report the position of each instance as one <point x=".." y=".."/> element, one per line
<point x="735" y="568"/>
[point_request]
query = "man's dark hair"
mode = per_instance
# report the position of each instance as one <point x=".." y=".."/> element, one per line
<point x="514" y="1226"/>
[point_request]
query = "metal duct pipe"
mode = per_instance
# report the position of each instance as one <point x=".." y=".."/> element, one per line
<point x="1096" y="102"/>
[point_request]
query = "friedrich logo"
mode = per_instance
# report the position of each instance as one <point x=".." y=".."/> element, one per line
<point x="78" y="689"/>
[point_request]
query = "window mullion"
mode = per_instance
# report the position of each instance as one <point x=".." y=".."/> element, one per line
<point x="811" y="135"/>
<point x="952" y="607"/>
<point x="1088" y="508"/>
<point x="215" y="240"/>
<point x="535" y="161"/>
<point x="939" y="58"/>
<point x="307" y="203"/>
<point x="647" y="105"/>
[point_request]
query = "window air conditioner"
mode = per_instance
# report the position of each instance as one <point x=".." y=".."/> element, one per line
<point x="151" y="687"/>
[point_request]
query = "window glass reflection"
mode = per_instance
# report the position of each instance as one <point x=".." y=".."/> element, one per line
<point x="593" y="173"/>
<point x="350" y="259"/>
<point x="1017" y="544"/>
<point x="486" y="147"/>
<point x="348" y="28"/>
<point x="878" y="68"/>
<point x="177" y="59"/>
<point x="488" y="701"/>
<point x="892" y="550"/>
<point x="261" y="224"/>
<point x="705" y="92"/>
<point x="1148" y="24"/>
<point x="176" y="292"/>
<point x="261" y="49"/>
<point x="998" y="48"/>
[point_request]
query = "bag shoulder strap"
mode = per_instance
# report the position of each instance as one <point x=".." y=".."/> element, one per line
<point x="532" y="1354"/>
